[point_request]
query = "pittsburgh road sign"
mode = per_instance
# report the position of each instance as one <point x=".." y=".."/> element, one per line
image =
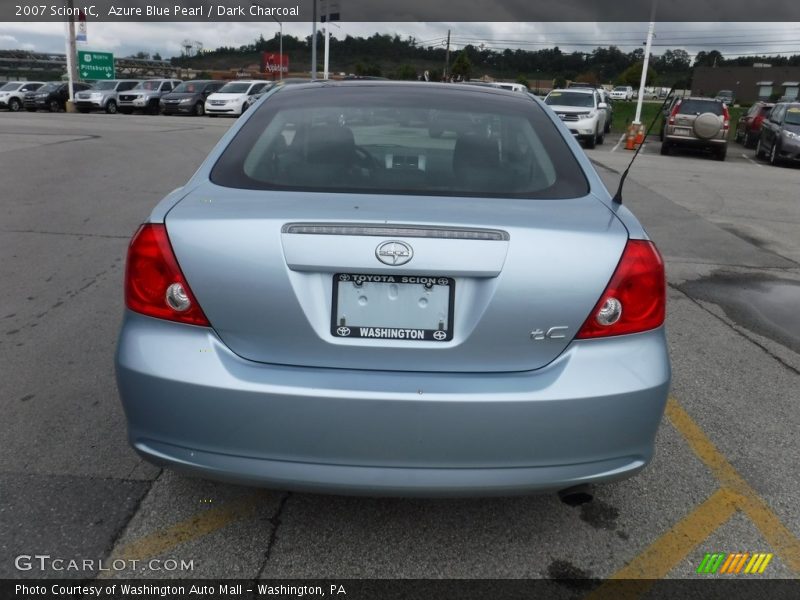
<point x="95" y="65"/>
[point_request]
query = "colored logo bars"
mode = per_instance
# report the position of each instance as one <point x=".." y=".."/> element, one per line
<point x="732" y="564"/>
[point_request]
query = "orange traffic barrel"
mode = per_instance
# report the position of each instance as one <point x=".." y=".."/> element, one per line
<point x="630" y="138"/>
<point x="639" y="134"/>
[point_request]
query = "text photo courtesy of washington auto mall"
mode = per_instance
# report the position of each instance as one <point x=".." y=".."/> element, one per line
<point x="480" y="299"/>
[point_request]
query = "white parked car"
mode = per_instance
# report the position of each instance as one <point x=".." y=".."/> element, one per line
<point x="512" y="87"/>
<point x="583" y="112"/>
<point x="12" y="94"/>
<point x="622" y="92"/>
<point x="231" y="99"/>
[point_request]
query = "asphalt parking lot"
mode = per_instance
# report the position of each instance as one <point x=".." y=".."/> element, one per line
<point x="725" y="478"/>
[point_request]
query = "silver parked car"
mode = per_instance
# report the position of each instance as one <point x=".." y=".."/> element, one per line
<point x="145" y="96"/>
<point x="12" y="94"/>
<point x="337" y="301"/>
<point x="583" y="112"/>
<point x="780" y="135"/>
<point x="700" y="123"/>
<point x="103" y="95"/>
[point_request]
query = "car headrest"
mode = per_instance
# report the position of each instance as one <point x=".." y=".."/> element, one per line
<point x="475" y="152"/>
<point x="330" y="144"/>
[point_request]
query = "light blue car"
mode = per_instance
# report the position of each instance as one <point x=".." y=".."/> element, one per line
<point x="339" y="301"/>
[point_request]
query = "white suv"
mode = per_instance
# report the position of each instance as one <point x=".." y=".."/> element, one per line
<point x="231" y="98"/>
<point x="12" y="94"/>
<point x="622" y="92"/>
<point x="582" y="111"/>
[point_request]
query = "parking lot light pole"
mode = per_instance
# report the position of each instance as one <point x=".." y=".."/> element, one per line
<point x="325" y="62"/>
<point x="72" y="71"/>
<point x="637" y="121"/>
<point x="645" y="65"/>
<point x="314" y="41"/>
<point x="280" y="51"/>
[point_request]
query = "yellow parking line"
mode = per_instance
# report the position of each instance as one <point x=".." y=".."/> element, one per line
<point x="783" y="541"/>
<point x="655" y="562"/>
<point x="196" y="526"/>
<point x="670" y="549"/>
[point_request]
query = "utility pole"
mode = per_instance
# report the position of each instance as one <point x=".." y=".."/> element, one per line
<point x="648" y="45"/>
<point x="447" y="58"/>
<point x="281" y="47"/>
<point x="72" y="71"/>
<point x="314" y="42"/>
<point x="325" y="62"/>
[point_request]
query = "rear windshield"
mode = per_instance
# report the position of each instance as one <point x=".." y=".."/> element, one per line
<point x="697" y="107"/>
<point x="10" y="87"/>
<point x="104" y="85"/>
<point x="570" y="99"/>
<point x="620" y="89"/>
<point x="235" y="88"/>
<point x="403" y="140"/>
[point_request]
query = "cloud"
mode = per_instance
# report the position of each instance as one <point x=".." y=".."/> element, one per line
<point x="166" y="38"/>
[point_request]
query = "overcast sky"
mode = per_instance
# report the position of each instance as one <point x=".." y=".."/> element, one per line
<point x="123" y="39"/>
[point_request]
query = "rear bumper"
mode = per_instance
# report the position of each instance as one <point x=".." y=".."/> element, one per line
<point x="693" y="142"/>
<point x="590" y="416"/>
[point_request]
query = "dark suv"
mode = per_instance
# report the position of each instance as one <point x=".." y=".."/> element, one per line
<point x="780" y="134"/>
<point x="189" y="98"/>
<point x="52" y="96"/>
<point x="697" y="123"/>
<point x="748" y="127"/>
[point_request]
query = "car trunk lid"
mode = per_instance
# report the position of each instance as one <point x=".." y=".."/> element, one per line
<point x="522" y="276"/>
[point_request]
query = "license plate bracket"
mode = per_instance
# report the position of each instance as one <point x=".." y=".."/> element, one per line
<point x="392" y="307"/>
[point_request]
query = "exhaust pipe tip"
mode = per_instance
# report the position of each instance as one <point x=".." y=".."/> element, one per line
<point x="576" y="495"/>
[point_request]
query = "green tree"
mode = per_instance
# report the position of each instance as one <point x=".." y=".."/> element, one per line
<point x="673" y="60"/>
<point x="369" y="70"/>
<point x="713" y="58"/>
<point x="406" y="72"/>
<point x="633" y="75"/>
<point x="434" y="75"/>
<point x="462" y="67"/>
<point x="523" y="80"/>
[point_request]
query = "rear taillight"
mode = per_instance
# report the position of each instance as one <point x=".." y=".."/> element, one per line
<point x="154" y="284"/>
<point x="635" y="298"/>
<point x="726" y="117"/>
<point x="674" y="112"/>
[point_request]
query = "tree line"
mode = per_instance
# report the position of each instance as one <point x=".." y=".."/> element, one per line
<point x="405" y="58"/>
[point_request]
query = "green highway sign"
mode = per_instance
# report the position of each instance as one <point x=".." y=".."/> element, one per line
<point x="95" y="65"/>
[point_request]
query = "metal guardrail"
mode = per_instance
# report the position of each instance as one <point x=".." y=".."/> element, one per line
<point x="21" y="60"/>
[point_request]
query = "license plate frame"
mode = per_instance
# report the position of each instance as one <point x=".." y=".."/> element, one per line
<point x="401" y="333"/>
